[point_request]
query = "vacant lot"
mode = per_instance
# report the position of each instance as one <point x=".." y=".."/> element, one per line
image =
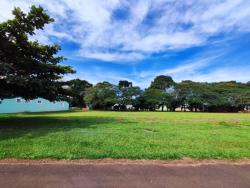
<point x="133" y="135"/>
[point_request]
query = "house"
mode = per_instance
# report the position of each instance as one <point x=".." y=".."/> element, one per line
<point x="15" y="105"/>
<point x="122" y="107"/>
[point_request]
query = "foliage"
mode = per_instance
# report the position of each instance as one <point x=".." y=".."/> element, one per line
<point x="188" y="95"/>
<point x="191" y="95"/>
<point x="102" y="96"/>
<point x="162" y="83"/>
<point x="76" y="91"/>
<point x="128" y="96"/>
<point x="154" y="98"/>
<point x="222" y="96"/>
<point x="29" y="69"/>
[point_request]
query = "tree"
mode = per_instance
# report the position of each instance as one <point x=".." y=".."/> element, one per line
<point x="162" y="83"/>
<point x="190" y="95"/>
<point x="77" y="89"/>
<point x="161" y="86"/>
<point x="128" y="96"/>
<point x="218" y="97"/>
<point x="124" y="84"/>
<point x="29" y="69"/>
<point x="154" y="98"/>
<point x="102" y="96"/>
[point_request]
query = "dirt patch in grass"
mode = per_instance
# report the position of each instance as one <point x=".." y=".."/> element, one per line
<point x="150" y="131"/>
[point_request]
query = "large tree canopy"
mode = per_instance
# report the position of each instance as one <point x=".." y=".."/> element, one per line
<point x="76" y="91"/>
<point x="127" y="94"/>
<point x="102" y="96"/>
<point x="29" y="69"/>
<point x="162" y="82"/>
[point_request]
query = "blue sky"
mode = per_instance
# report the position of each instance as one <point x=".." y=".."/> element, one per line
<point x="112" y="40"/>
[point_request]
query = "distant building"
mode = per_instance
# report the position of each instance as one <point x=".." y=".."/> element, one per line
<point x="15" y="105"/>
<point x="122" y="107"/>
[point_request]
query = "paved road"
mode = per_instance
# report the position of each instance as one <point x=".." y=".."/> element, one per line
<point x="120" y="175"/>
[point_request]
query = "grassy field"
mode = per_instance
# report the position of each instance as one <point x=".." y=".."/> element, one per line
<point x="132" y="135"/>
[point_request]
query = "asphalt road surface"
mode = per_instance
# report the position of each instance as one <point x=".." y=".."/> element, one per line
<point x="124" y="175"/>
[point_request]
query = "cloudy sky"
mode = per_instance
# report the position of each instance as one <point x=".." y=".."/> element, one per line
<point x="112" y="40"/>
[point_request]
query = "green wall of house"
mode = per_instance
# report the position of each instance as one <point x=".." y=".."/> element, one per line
<point x="15" y="105"/>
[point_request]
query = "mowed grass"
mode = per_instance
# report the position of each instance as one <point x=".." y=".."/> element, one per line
<point x="131" y="135"/>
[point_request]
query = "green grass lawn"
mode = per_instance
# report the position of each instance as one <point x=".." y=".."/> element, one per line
<point x="132" y="135"/>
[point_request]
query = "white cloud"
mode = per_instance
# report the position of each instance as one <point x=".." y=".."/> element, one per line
<point x="177" y="24"/>
<point x="239" y="74"/>
<point x="199" y="69"/>
<point x="115" y="56"/>
<point x="186" y="71"/>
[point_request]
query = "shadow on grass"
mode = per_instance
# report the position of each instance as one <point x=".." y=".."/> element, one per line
<point x="32" y="127"/>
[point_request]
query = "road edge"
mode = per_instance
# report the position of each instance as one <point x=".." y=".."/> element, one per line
<point x="108" y="161"/>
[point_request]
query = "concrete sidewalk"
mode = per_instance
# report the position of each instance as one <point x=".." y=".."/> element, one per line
<point x="124" y="175"/>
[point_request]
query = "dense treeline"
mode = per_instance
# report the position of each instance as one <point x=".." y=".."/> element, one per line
<point x="162" y="94"/>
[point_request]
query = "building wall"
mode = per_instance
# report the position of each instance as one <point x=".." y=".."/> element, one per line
<point x="37" y="105"/>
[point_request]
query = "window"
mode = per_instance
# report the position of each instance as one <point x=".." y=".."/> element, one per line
<point x="27" y="101"/>
<point x="39" y="102"/>
<point x="18" y="100"/>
